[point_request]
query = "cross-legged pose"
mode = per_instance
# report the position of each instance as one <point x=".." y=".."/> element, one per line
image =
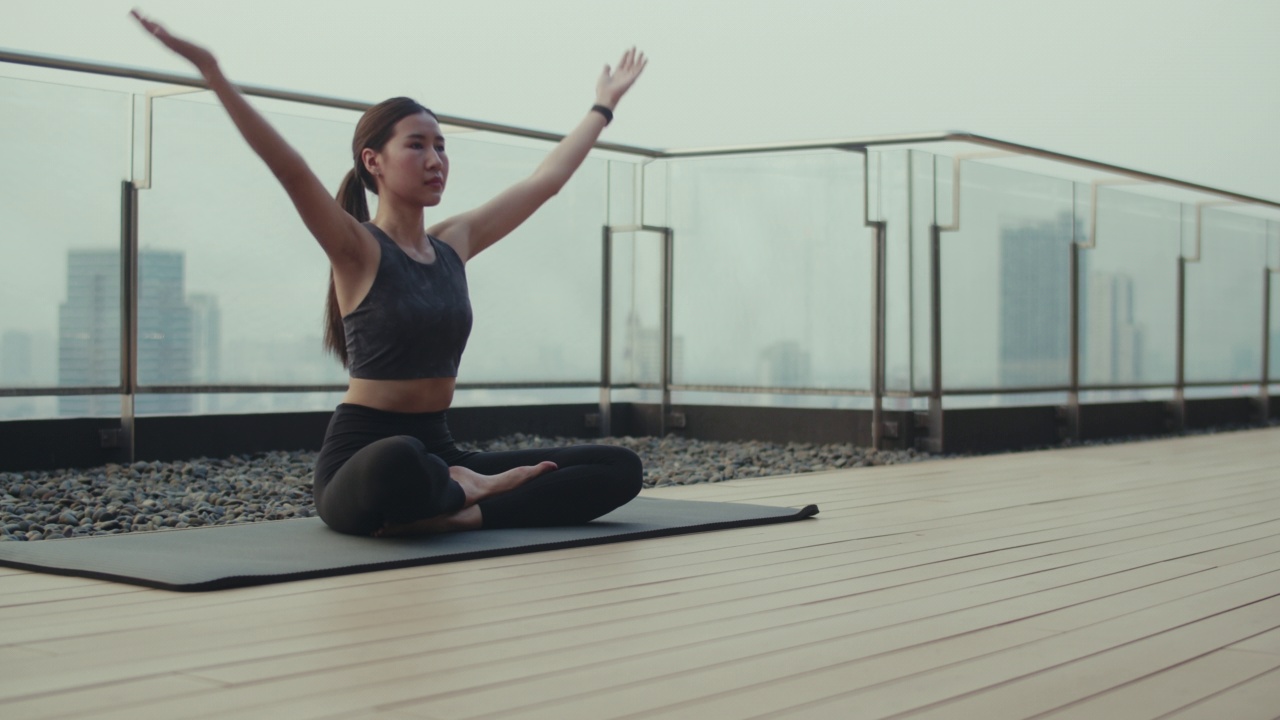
<point x="398" y="317"/>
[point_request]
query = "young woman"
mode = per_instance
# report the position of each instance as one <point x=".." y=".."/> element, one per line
<point x="398" y="316"/>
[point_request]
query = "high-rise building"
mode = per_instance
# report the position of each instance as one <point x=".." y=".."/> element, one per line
<point x="642" y="352"/>
<point x="206" y="347"/>
<point x="17" y="359"/>
<point x="17" y="369"/>
<point x="785" y="364"/>
<point x="1112" y="340"/>
<point x="206" y="338"/>
<point x="89" y="331"/>
<point x="1035" y="300"/>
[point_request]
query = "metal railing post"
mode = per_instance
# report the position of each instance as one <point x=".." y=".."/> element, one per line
<point x="606" y="334"/>
<point x="878" y="342"/>
<point x="128" y="317"/>
<point x="934" y="443"/>
<point x="1264" y="392"/>
<point x="1178" y="408"/>
<point x="667" y="337"/>
<point x="1263" y="397"/>
<point x="1071" y="418"/>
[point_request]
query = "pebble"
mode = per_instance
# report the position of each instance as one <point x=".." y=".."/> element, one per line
<point x="145" y="496"/>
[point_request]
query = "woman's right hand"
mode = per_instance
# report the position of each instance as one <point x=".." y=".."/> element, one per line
<point x="196" y="55"/>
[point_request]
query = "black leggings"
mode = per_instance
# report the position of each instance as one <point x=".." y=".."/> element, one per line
<point x="378" y="467"/>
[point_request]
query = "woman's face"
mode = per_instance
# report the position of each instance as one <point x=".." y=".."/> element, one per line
<point x="412" y="166"/>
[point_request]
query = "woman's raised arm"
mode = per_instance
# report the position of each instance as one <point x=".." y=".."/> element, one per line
<point x="341" y="236"/>
<point x="475" y="230"/>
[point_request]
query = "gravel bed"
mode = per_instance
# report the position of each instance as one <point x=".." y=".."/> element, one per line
<point x="116" y="499"/>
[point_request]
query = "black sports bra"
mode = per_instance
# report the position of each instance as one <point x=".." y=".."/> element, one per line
<point x="415" y="321"/>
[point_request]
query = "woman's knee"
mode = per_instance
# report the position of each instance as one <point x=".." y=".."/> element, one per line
<point x="626" y="470"/>
<point x="389" y="479"/>
<point x="628" y="460"/>
<point x="389" y="454"/>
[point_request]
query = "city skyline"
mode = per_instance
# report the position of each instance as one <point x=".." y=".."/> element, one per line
<point x="89" y="330"/>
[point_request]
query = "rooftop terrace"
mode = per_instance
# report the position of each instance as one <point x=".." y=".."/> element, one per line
<point x="948" y="291"/>
<point x="1138" y="580"/>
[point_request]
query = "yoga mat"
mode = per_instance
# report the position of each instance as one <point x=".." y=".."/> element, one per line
<point x="228" y="556"/>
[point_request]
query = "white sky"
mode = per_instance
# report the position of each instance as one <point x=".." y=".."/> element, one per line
<point x="1176" y="87"/>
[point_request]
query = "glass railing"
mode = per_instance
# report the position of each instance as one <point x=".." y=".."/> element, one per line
<point x="896" y="272"/>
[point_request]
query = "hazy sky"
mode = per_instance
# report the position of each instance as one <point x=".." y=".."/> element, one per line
<point x="1182" y="88"/>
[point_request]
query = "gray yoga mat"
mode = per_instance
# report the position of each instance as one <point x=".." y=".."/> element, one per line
<point x="227" y="556"/>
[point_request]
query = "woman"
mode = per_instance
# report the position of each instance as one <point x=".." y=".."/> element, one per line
<point x="398" y="316"/>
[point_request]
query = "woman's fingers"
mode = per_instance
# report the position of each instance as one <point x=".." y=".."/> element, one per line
<point x="151" y="26"/>
<point x="614" y="83"/>
<point x="195" y="54"/>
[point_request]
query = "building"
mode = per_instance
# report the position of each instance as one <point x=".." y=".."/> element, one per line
<point x="17" y="359"/>
<point x="89" y="331"/>
<point x="1112" y="340"/>
<point x="785" y="364"/>
<point x="1035" y="302"/>
<point x="642" y="353"/>
<point x="206" y="339"/>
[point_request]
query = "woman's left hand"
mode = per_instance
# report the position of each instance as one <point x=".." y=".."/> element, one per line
<point x="196" y="55"/>
<point x="613" y="84"/>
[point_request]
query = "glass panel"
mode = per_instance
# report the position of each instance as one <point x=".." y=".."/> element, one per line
<point x="636" y="310"/>
<point x="537" y="294"/>
<point x="1224" y="299"/>
<point x="231" y="285"/>
<point x="624" y="197"/>
<point x="1273" y="334"/>
<point x="655" y="198"/>
<point x="1005" y="280"/>
<point x="1129" y="291"/>
<point x="60" y="279"/>
<point x="772" y="268"/>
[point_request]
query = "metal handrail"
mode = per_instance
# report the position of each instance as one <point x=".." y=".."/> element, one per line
<point x="121" y="71"/>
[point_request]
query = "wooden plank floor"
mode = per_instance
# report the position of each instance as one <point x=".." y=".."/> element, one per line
<point x="1127" y="581"/>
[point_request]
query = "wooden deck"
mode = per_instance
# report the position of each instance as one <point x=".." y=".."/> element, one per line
<point x="1129" y="581"/>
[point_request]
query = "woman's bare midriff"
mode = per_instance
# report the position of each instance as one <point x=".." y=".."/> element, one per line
<point x="406" y="396"/>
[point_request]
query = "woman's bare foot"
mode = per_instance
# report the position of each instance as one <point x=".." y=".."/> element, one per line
<point x="465" y="519"/>
<point x="477" y="487"/>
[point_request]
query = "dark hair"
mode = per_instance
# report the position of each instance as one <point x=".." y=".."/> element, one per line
<point x="373" y="131"/>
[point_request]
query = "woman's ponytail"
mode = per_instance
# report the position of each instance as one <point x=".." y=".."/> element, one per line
<point x="351" y="195"/>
